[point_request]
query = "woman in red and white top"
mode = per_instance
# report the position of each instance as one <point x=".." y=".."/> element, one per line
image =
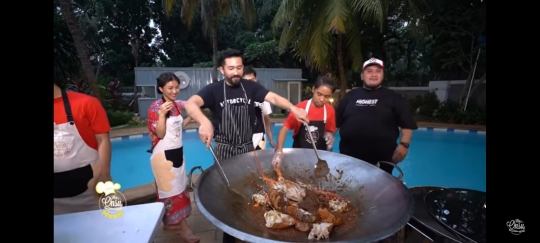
<point x="322" y="121"/>
<point x="165" y="124"/>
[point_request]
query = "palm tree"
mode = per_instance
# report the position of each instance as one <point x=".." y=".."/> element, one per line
<point x="92" y="15"/>
<point x="80" y="45"/>
<point x="315" y="29"/>
<point x="211" y="12"/>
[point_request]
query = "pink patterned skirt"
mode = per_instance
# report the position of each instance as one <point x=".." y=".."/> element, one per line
<point x="177" y="208"/>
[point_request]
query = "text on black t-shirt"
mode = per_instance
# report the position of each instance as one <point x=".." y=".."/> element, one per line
<point x="213" y="98"/>
<point x="373" y="116"/>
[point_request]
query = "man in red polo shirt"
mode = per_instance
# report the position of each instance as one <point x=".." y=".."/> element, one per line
<point x="322" y="121"/>
<point x="82" y="151"/>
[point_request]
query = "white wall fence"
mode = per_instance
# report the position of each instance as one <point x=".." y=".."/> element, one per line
<point x="445" y="91"/>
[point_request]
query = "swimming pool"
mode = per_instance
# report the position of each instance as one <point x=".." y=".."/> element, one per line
<point x="437" y="157"/>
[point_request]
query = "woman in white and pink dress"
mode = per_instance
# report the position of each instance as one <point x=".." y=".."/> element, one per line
<point x="165" y="124"/>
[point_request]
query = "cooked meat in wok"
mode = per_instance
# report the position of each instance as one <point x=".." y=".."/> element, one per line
<point x="288" y="207"/>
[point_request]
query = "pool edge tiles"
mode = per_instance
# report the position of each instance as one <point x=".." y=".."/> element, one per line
<point x="126" y="137"/>
<point x="434" y="129"/>
<point x="146" y="134"/>
<point x="447" y="129"/>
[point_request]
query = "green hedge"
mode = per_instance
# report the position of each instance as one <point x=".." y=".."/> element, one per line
<point x="118" y="118"/>
<point x="452" y="112"/>
<point x="424" y="105"/>
<point x="448" y="112"/>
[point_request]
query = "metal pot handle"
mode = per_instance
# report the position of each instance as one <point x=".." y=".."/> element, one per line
<point x="190" y="177"/>
<point x="400" y="177"/>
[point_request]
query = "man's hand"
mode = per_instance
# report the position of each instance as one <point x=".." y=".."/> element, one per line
<point x="329" y="138"/>
<point x="276" y="159"/>
<point x="300" y="114"/>
<point x="399" y="154"/>
<point x="206" y="133"/>
<point x="276" y="162"/>
<point x="104" y="177"/>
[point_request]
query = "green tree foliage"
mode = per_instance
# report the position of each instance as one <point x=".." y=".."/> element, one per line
<point x="66" y="60"/>
<point x="121" y="35"/>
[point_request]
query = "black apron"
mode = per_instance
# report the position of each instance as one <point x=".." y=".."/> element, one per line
<point x="234" y="134"/>
<point x="302" y="140"/>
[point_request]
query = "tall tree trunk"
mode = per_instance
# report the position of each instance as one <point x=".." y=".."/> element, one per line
<point x="135" y="50"/>
<point x="478" y="84"/>
<point x="78" y="41"/>
<point x="100" y="61"/>
<point x="410" y="48"/>
<point x="214" y="50"/>
<point x="463" y="93"/>
<point x="342" y="74"/>
<point x="472" y="69"/>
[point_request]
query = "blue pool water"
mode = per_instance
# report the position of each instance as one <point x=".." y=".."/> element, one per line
<point x="436" y="158"/>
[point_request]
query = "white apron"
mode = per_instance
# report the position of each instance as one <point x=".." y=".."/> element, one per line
<point x="72" y="154"/>
<point x="259" y="139"/>
<point x="167" y="160"/>
<point x="309" y="105"/>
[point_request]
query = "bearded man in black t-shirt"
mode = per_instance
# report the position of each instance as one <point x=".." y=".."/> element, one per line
<point x="369" y="120"/>
<point x="231" y="101"/>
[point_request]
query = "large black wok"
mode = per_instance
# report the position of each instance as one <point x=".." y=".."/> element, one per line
<point x="384" y="201"/>
<point x="462" y="211"/>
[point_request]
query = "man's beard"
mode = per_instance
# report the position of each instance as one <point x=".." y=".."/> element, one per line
<point x="232" y="82"/>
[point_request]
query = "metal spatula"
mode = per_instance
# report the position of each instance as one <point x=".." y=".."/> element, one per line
<point x="224" y="175"/>
<point x="321" y="168"/>
<point x="221" y="168"/>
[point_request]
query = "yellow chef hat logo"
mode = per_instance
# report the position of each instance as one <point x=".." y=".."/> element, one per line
<point x="107" y="187"/>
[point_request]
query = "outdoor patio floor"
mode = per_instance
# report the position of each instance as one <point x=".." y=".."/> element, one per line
<point x="199" y="225"/>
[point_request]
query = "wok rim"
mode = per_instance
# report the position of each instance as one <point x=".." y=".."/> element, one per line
<point x="390" y="231"/>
